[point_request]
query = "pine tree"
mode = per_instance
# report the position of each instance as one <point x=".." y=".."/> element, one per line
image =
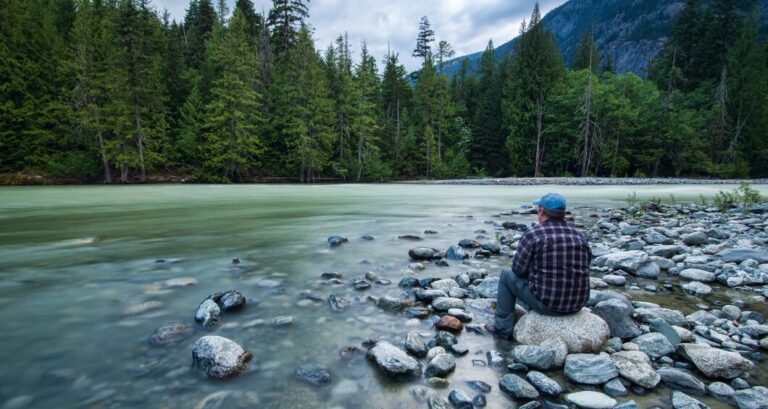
<point x="444" y="52"/>
<point x="424" y="40"/>
<point x="426" y="107"/>
<point x="587" y="56"/>
<point x="536" y="67"/>
<point x="487" y="152"/>
<point x="365" y="125"/>
<point x="285" y="19"/>
<point x="198" y="26"/>
<point x="233" y="118"/>
<point x="396" y="97"/>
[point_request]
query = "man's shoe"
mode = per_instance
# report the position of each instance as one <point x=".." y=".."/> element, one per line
<point x="491" y="328"/>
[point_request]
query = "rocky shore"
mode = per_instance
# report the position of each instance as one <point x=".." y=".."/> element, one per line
<point x="591" y="181"/>
<point x="613" y="348"/>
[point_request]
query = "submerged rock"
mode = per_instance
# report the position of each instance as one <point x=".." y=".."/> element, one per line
<point x="336" y="241"/>
<point x="440" y="366"/>
<point x="682" y="401"/>
<point x="170" y="333"/>
<point x="218" y="357"/>
<point x="313" y="374"/>
<point x="459" y="399"/>
<point x="424" y="253"/>
<point x="415" y="345"/>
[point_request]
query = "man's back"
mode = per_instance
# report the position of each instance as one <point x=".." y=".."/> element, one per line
<point x="555" y="257"/>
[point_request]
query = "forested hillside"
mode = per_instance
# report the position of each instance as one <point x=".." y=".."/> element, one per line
<point x="113" y="91"/>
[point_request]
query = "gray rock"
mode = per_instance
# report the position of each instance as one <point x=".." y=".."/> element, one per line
<point x="433" y="352"/>
<point x="336" y="241"/>
<point x="591" y="400"/>
<point x="230" y="300"/>
<point x="740" y="254"/>
<point x="614" y="388"/>
<point x="627" y="405"/>
<point x="544" y="384"/>
<point x="459" y="399"/>
<point x="462" y="315"/>
<point x="614" y="279"/>
<point x="531" y="405"/>
<point x="654" y="344"/>
<point x="488" y="288"/>
<point x="732" y="312"/>
<point x="628" y="261"/>
<point x="313" y="374"/>
<point x="696" y="274"/>
<point x="695" y="239"/>
<point x="702" y="317"/>
<point x="440" y="366"/>
<point x="578" y="333"/>
<point x="721" y="391"/>
<point x="662" y="327"/>
<point x="618" y="317"/>
<point x="446" y="303"/>
<point x="590" y="369"/>
<point x="437" y="403"/>
<point x="218" y="357"/>
<point x="495" y="359"/>
<point x="393" y="361"/>
<point x="424" y="253"/>
<point x="283" y="320"/>
<point x="697" y="288"/>
<point x="534" y="356"/>
<point x="444" y="339"/>
<point x="754" y="398"/>
<point x="428" y="296"/>
<point x="517" y="387"/>
<point x="636" y="367"/>
<point x="649" y="270"/>
<point x="338" y="303"/>
<point x="672" y="317"/>
<point x="170" y="333"/>
<point x="682" y="401"/>
<point x="479" y="386"/>
<point x="208" y="313"/>
<point x="716" y="363"/>
<point x="444" y="285"/>
<point x="682" y="381"/>
<point x="456" y="253"/>
<point x="415" y="345"/>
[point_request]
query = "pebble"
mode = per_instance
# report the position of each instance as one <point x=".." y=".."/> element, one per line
<point x="591" y="400"/>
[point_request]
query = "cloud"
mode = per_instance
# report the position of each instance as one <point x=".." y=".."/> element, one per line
<point x="466" y="24"/>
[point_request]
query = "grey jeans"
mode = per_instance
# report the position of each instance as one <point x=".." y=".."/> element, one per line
<point x="512" y="288"/>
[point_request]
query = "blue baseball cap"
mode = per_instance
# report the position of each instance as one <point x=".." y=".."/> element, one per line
<point x="552" y="202"/>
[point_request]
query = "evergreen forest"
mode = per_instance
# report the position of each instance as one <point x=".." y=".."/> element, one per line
<point x="115" y="91"/>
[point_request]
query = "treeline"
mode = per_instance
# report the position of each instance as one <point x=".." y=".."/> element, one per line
<point x="113" y="91"/>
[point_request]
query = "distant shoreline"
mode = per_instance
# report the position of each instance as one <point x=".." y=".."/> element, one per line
<point x="591" y="181"/>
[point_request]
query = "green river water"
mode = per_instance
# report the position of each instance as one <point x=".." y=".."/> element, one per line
<point x="74" y="261"/>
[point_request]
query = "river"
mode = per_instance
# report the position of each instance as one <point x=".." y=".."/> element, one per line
<point x="75" y="261"/>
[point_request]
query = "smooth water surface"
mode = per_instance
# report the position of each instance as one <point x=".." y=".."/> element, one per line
<point x="76" y="261"/>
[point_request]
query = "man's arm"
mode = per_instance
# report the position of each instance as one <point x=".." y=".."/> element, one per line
<point x="525" y="252"/>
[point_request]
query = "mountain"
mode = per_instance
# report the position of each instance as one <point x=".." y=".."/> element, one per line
<point x="631" y="32"/>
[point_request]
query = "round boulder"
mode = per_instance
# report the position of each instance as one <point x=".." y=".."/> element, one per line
<point x="218" y="357"/>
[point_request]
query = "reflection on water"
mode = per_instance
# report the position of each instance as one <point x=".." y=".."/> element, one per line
<point x="83" y="272"/>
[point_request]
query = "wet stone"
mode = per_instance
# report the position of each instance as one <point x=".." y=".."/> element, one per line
<point x="591" y="400"/>
<point x="313" y="374"/>
<point x="449" y="323"/>
<point x="218" y="357"/>
<point x="614" y="388"/>
<point x="440" y="366"/>
<point x="680" y="380"/>
<point x="682" y="401"/>
<point x="495" y="359"/>
<point x="208" y="313"/>
<point x="479" y="401"/>
<point x="408" y="282"/>
<point x="479" y="386"/>
<point x="544" y="384"/>
<point x="517" y="387"/>
<point x="170" y="333"/>
<point x="654" y="344"/>
<point x="721" y="391"/>
<point x="417" y="312"/>
<point x="231" y="301"/>
<point x="437" y="403"/>
<point x="415" y="345"/>
<point x="459" y="399"/>
<point x="282" y="321"/>
<point x="590" y="369"/>
<point x="445" y="339"/>
<point x="537" y="357"/>
<point x="754" y="398"/>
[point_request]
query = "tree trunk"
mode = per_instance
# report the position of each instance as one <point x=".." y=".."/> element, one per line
<point x="359" y="156"/>
<point x="585" y="126"/>
<point x="539" y="134"/>
<point x="104" y="161"/>
<point x="397" y="133"/>
<point x="139" y="141"/>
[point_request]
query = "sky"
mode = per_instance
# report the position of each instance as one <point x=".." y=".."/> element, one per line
<point x="466" y="24"/>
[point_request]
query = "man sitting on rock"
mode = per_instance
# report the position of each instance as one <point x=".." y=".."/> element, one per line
<point x="550" y="271"/>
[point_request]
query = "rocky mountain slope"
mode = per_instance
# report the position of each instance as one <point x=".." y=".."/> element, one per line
<point x="631" y="32"/>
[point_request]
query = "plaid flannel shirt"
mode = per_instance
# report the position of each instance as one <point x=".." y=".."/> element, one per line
<point x="555" y="258"/>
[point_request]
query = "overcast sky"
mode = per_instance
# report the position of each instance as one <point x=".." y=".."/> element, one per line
<point x="466" y="24"/>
